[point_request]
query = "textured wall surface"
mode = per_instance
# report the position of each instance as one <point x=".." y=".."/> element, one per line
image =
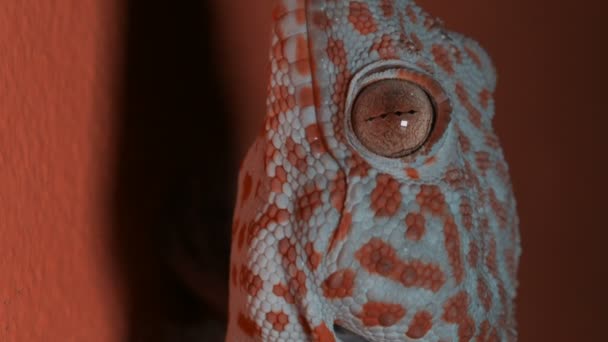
<point x="550" y="117"/>
<point x="56" y="280"/>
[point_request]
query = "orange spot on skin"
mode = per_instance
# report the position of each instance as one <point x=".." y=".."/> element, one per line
<point x="499" y="209"/>
<point x="487" y="333"/>
<point x="474" y="114"/>
<point x="474" y="56"/>
<point x="412" y="173"/>
<point x="297" y="284"/>
<point x="278" y="11"/>
<point x="339" y="284"/>
<point x="473" y="255"/>
<point x="300" y="16"/>
<point x="248" y="326"/>
<point x="250" y="282"/>
<point x="386" y="197"/>
<point x="361" y="18"/>
<point x="316" y="86"/>
<point x="421" y="324"/>
<point x="308" y="202"/>
<point x="442" y="58"/>
<point x="381" y="314"/>
<point x="296" y="154"/>
<point x="484" y="329"/>
<point x="378" y="257"/>
<point x="281" y="103"/>
<point x="484" y="294"/>
<point x="491" y="262"/>
<point x="455" y="177"/>
<point x="430" y="161"/>
<point x="341" y="232"/>
<point x="411" y="14"/>
<point x="315" y="140"/>
<point x="288" y="250"/>
<point x="302" y="56"/>
<point x="387" y="8"/>
<point x="492" y="141"/>
<point x="276" y="185"/>
<point x="272" y="215"/>
<point x="303" y="67"/>
<point x="456" y="312"/>
<point x="314" y="257"/>
<point x="357" y="166"/>
<point x="279" y="320"/>
<point x="494" y="336"/>
<point x="430" y="198"/>
<point x="452" y="247"/>
<point x="305" y="97"/>
<point x="320" y="19"/>
<point x="466" y="212"/>
<point x="483" y="160"/>
<point x="415" y="226"/>
<point x="484" y="98"/>
<point x="417" y="43"/>
<point x="455" y="308"/>
<point x="271" y="153"/>
<point x="322" y="334"/>
<point x="502" y="294"/>
<point x="385" y="47"/>
<point x="465" y="143"/>
<point x="484" y="225"/>
<point x="277" y="51"/>
<point x="337" y="191"/>
<point x="337" y="54"/>
<point x="432" y="23"/>
<point x="502" y="170"/>
<point x="281" y="290"/>
<point x="281" y="174"/>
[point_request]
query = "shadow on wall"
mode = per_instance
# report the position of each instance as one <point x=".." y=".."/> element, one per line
<point x="173" y="195"/>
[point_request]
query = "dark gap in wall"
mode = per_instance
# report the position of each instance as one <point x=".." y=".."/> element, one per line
<point x="175" y="175"/>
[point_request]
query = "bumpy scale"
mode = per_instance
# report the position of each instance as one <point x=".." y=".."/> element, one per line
<point x="332" y="234"/>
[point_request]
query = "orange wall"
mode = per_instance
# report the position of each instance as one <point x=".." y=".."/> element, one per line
<point x="55" y="276"/>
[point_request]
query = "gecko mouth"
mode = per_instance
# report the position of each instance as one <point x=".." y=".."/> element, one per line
<point x="345" y="335"/>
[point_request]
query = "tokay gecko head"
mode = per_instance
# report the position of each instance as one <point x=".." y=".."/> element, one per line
<point x="376" y="202"/>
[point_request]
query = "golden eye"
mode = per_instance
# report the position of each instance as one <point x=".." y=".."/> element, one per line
<point x="392" y="117"/>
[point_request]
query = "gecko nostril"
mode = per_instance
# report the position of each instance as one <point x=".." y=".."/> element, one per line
<point x="392" y="118"/>
<point x="345" y="335"/>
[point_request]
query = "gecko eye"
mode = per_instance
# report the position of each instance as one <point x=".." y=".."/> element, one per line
<point x="392" y="117"/>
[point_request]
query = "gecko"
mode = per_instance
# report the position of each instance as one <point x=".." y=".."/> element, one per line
<point x="375" y="204"/>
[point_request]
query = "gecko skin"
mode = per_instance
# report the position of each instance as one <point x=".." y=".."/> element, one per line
<point x="338" y="235"/>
